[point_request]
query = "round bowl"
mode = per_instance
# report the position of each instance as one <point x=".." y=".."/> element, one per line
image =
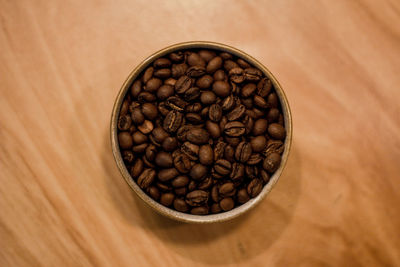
<point x="173" y="214"/>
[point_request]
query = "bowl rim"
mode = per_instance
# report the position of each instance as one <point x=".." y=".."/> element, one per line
<point x="168" y="212"/>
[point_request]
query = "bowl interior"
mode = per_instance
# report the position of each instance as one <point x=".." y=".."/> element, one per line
<point x="173" y="214"/>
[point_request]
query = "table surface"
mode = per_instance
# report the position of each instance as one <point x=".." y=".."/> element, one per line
<point x="63" y="201"/>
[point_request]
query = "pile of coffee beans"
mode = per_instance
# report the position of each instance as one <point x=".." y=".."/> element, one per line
<point x="201" y="131"/>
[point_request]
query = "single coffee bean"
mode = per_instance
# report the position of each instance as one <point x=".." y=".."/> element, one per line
<point x="206" y="155"/>
<point x="136" y="88"/>
<point x="223" y="167"/>
<point x="163" y="109"/>
<point x="148" y="163"/>
<point x="137" y="116"/>
<point x="176" y="103"/>
<point x="150" y="111"/>
<point x="190" y="150"/>
<point x="170" y="81"/>
<point x="236" y="75"/>
<point x="154" y="192"/>
<point x="205" y="183"/>
<point x="215" y="208"/>
<point x="225" y="55"/>
<point x="178" y="70"/>
<point x="173" y="121"/>
<point x="230" y="64"/>
<point x="198" y="136"/>
<point x="163" y="187"/>
<point x="254" y="188"/>
<point x="180" y="181"/>
<point x="236" y="113"/>
<point x="271" y="162"/>
<point x="137" y="168"/>
<point x="191" y="94"/>
<point x="276" y="131"/>
<point x="221" y="88"/>
<point x="195" y="60"/>
<point x="195" y="71"/>
<point x="243" y="152"/>
<point x="144" y="97"/>
<point x="176" y="56"/>
<point x="193" y="108"/>
<point x="162" y="63"/>
<point x="252" y="74"/>
<point x="264" y="87"/>
<point x="214" y="64"/>
<point x="254" y="159"/>
<point x="151" y="152"/>
<point x="242" y="196"/>
<point x="229" y="153"/>
<point x="219" y="150"/>
<point x="197" y="198"/>
<point x="182" y="163"/>
<point x="273" y="115"/>
<point x="219" y="75"/>
<point x="125" y="140"/>
<point x="264" y="176"/>
<point x="248" y="102"/>
<point x="227" y="204"/>
<point x="234" y="129"/>
<point x="128" y="156"/>
<point x="237" y="172"/>
<point x="260" y="102"/>
<point x="199" y="210"/>
<point x="215" y="112"/>
<point x="243" y="64"/>
<point x="281" y="120"/>
<point x="273" y="146"/>
<point x="260" y="127"/>
<point x="258" y="143"/>
<point x="152" y="85"/>
<point x="181" y="191"/>
<point x="164" y="159"/>
<point x="233" y="141"/>
<point x="207" y="55"/>
<point x="140" y="148"/>
<point x="124" y="122"/>
<point x="180" y="205"/>
<point x="227" y="190"/>
<point x="167" y="199"/>
<point x="214" y="193"/>
<point x="198" y="172"/>
<point x="139" y="138"/>
<point x="248" y="123"/>
<point x="165" y="175"/>
<point x="183" y="131"/>
<point x="216" y="175"/>
<point x="148" y="73"/>
<point x="213" y="129"/>
<point x="165" y="91"/>
<point x="248" y="90"/>
<point x="146" y="127"/>
<point x="182" y="84"/>
<point x="146" y="178"/>
<point x="162" y="73"/>
<point x="204" y="82"/>
<point x="194" y="118"/>
<point x="159" y="134"/>
<point x="272" y="100"/>
<point x="169" y="144"/>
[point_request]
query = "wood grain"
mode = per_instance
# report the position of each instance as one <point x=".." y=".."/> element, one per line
<point x="63" y="201"/>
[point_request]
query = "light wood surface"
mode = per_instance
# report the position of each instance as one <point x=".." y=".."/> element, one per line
<point x="63" y="201"/>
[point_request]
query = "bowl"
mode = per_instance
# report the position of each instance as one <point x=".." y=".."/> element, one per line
<point x="173" y="214"/>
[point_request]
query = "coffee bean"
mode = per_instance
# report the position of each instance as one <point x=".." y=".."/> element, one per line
<point x="195" y="71"/>
<point x="151" y="152"/>
<point x="258" y="143"/>
<point x="272" y="100"/>
<point x="213" y="129"/>
<point x="146" y="97"/>
<point x="215" y="112"/>
<point x="273" y="115"/>
<point x="234" y="129"/>
<point x="125" y="140"/>
<point x="219" y="75"/>
<point x="236" y="113"/>
<point x="140" y="148"/>
<point x="139" y="138"/>
<point x="198" y="172"/>
<point x="149" y="111"/>
<point x="165" y="91"/>
<point x="204" y="112"/>
<point x="230" y="64"/>
<point x="170" y="81"/>
<point x="243" y="151"/>
<point x="199" y="211"/>
<point x="206" y="155"/>
<point x="260" y="102"/>
<point x="191" y="94"/>
<point x="146" y="127"/>
<point x="146" y="178"/>
<point x="137" y="116"/>
<point x="176" y="56"/>
<point x="227" y="190"/>
<point x="221" y="88"/>
<point x="180" y="205"/>
<point x="228" y="103"/>
<point x="176" y="103"/>
<point x="254" y="159"/>
<point x="193" y="108"/>
<point x="198" y="136"/>
<point x="180" y="181"/>
<point x="254" y="188"/>
<point x="264" y="176"/>
<point x="215" y="208"/>
<point x="208" y="97"/>
<point x="260" y="127"/>
<point x="169" y="144"/>
<point x="219" y="150"/>
<point x="242" y="196"/>
<point x="162" y="73"/>
<point x="163" y="109"/>
<point x="236" y="75"/>
<point x="162" y="63"/>
<point x="197" y="198"/>
<point x="214" y="64"/>
<point x="229" y="153"/>
<point x="163" y="187"/>
<point x="251" y="171"/>
<point x="148" y="74"/>
<point x="237" y="172"/>
<point x="194" y="118"/>
<point x="154" y="192"/>
<point x="173" y="121"/>
<point x="159" y="134"/>
<point x="243" y="64"/>
<point x="137" y="168"/>
<point x="273" y="146"/>
<point x="248" y="90"/>
<point x="248" y="123"/>
<point x="182" y="163"/>
<point x="227" y="204"/>
<point x="233" y="141"/>
<point x="164" y="159"/>
<point x="204" y="82"/>
<point x="205" y="183"/>
<point x="152" y="85"/>
<point x="276" y="131"/>
<point x="128" y="156"/>
<point x="248" y="102"/>
<point x="264" y="87"/>
<point x="181" y="191"/>
<point x="190" y="150"/>
<point x="207" y="55"/>
<point x="124" y="122"/>
<point x="167" y="199"/>
<point x="165" y="175"/>
<point x="195" y="60"/>
<point x="182" y="132"/>
<point x="136" y="89"/>
<point x="271" y="162"/>
<point x="182" y="84"/>
<point x="252" y="74"/>
<point x="223" y="167"/>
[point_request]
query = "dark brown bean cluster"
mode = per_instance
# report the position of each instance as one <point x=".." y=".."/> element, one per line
<point x="201" y="131"/>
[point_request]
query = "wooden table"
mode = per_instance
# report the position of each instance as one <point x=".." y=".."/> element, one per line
<point x="63" y="201"/>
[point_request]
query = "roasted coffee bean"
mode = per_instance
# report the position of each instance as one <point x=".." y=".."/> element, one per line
<point x="276" y="131"/>
<point x="198" y="136"/>
<point x="199" y="210"/>
<point x="154" y="192"/>
<point x="227" y="204"/>
<point x="234" y="129"/>
<point x="163" y="109"/>
<point x="150" y="111"/>
<point x="242" y="196"/>
<point x="169" y="144"/>
<point x="193" y="108"/>
<point x="182" y="163"/>
<point x="194" y="118"/>
<point x="197" y="198"/>
<point x="273" y="146"/>
<point x="204" y="82"/>
<point x="248" y="90"/>
<point x="146" y="127"/>
<point x="215" y="208"/>
<point x="260" y="127"/>
<point x="167" y="199"/>
<point x="207" y="55"/>
<point x="190" y="150"/>
<point x="227" y="190"/>
<point x="225" y="55"/>
<point x="243" y="151"/>
<point x="152" y="85"/>
<point x="206" y="155"/>
<point x="181" y="191"/>
<point x="182" y="84"/>
<point x="195" y="71"/>
<point x="170" y="81"/>
<point x="233" y="141"/>
<point x="140" y="148"/>
<point x="125" y="140"/>
<point x="176" y="56"/>
<point x="229" y="153"/>
<point x="281" y="120"/>
<point x="230" y="64"/>
<point x="180" y="205"/>
<point x="264" y="176"/>
<point x="254" y="159"/>
<point x="136" y="89"/>
<point x="208" y="97"/>
<point x="272" y="100"/>
<point x="163" y="187"/>
<point x="219" y="75"/>
<point x="164" y="159"/>
<point x="176" y="103"/>
<point x="248" y="123"/>
<point x="254" y="188"/>
<point x="137" y="168"/>
<point x="248" y="102"/>
<point x="165" y="91"/>
<point x="165" y="175"/>
<point x="195" y="60"/>
<point x="148" y="73"/>
<point x="219" y="150"/>
<point x="139" y="138"/>
<point x="124" y="122"/>
<point x="258" y="143"/>
<point x="264" y="87"/>
<point x="162" y="63"/>
<point x="252" y="74"/>
<point x="180" y="181"/>
<point x="243" y="64"/>
<point x="221" y="88"/>
<point x="128" y="156"/>
<point x="214" y="64"/>
<point x="236" y="113"/>
<point x="198" y="172"/>
<point x="213" y="129"/>
<point x="146" y="178"/>
<point x="178" y="70"/>
<point x="271" y="162"/>
<point x="173" y="121"/>
<point x="159" y="134"/>
<point x="191" y="94"/>
<point x="215" y="112"/>
<point x="137" y="116"/>
<point x="273" y="115"/>
<point x="251" y="171"/>
<point x="151" y="152"/>
<point x="214" y="193"/>
<point x="182" y="132"/>
<point x="223" y="167"/>
<point x="148" y="163"/>
<point x="162" y="73"/>
<point x="236" y="75"/>
<point x="205" y="183"/>
<point x="260" y="102"/>
<point x="237" y="172"/>
<point x="228" y="103"/>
